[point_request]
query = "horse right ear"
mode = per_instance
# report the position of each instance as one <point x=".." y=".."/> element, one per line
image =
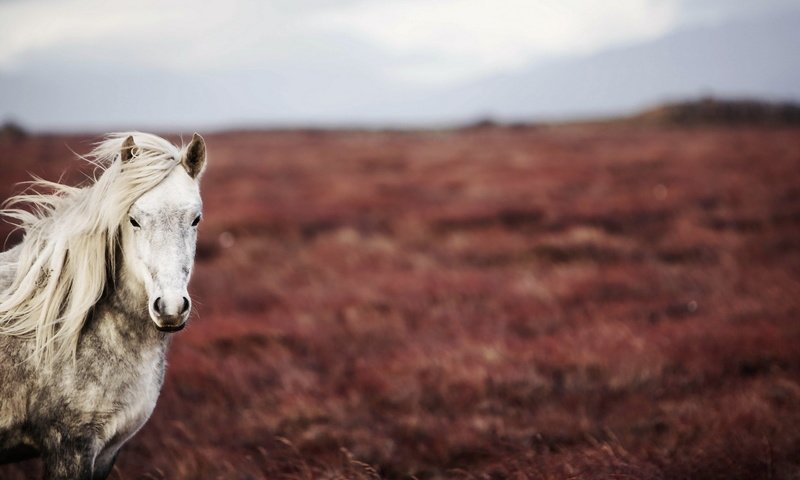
<point x="127" y="149"/>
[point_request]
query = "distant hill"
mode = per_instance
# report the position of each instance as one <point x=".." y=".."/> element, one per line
<point x="703" y="111"/>
<point x="12" y="131"/>
<point x="725" y="112"/>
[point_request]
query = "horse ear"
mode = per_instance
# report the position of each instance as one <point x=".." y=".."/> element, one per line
<point x="127" y="149"/>
<point x="195" y="159"/>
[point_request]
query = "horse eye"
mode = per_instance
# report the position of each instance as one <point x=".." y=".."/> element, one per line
<point x="196" y="221"/>
<point x="134" y="222"/>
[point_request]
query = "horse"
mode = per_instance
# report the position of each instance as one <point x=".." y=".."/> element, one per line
<point x="89" y="299"/>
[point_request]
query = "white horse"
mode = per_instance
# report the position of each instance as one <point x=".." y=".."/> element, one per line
<point x="87" y="300"/>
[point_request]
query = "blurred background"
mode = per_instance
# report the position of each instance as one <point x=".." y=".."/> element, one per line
<point x="452" y="238"/>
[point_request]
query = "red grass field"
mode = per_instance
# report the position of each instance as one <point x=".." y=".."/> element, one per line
<point x="489" y="303"/>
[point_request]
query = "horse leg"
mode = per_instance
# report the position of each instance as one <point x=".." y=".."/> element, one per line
<point x="104" y="464"/>
<point x="69" y="460"/>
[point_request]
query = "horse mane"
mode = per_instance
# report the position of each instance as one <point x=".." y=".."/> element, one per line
<point x="66" y="257"/>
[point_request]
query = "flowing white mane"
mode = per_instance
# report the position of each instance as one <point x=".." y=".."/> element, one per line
<point x="70" y="238"/>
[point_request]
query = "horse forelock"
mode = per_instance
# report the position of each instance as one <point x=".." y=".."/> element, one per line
<point x="70" y="239"/>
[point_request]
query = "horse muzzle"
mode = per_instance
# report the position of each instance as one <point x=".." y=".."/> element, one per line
<point x="170" y="315"/>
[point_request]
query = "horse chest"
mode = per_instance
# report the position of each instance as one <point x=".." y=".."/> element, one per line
<point x="137" y="399"/>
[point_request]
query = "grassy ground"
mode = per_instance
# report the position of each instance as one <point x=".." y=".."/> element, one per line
<point x="571" y="302"/>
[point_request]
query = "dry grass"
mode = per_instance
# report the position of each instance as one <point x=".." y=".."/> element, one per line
<point x="574" y="302"/>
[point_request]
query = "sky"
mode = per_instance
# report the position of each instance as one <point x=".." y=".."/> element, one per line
<point x="74" y="64"/>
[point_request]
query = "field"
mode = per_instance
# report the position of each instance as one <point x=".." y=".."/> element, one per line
<point x="580" y="301"/>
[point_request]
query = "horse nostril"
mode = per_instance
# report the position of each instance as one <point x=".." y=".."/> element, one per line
<point x="185" y="305"/>
<point x="157" y="306"/>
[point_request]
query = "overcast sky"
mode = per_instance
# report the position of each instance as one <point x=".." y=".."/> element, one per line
<point x="281" y="48"/>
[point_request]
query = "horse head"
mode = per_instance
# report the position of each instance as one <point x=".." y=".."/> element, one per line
<point x="160" y="234"/>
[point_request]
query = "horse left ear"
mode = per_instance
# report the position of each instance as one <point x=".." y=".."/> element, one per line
<point x="195" y="159"/>
<point x="126" y="152"/>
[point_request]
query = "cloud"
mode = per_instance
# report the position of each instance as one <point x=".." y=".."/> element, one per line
<point x="447" y="40"/>
<point x="428" y="40"/>
<point x="422" y="42"/>
<point x="176" y="35"/>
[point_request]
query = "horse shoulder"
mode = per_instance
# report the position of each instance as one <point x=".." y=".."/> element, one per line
<point x="13" y="371"/>
<point x="13" y="403"/>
